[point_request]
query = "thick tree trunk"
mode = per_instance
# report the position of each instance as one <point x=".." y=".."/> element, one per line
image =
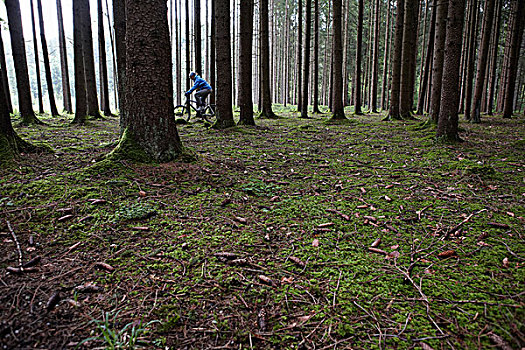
<point x="488" y="17"/>
<point x="384" y="87"/>
<point x="103" y="66"/>
<point x="47" y="67"/>
<point x="37" y="61"/>
<point x="64" y="68"/>
<point x="20" y="62"/>
<point x="439" y="54"/>
<point x="470" y="59"/>
<point x="114" y="56"/>
<point x="395" y="87"/>
<point x="224" y="65"/>
<point x="494" y="53"/>
<point x="5" y="79"/>
<point x="266" y="98"/>
<point x="358" y="57"/>
<point x="119" y="22"/>
<point x="78" y="57"/>
<point x="212" y="51"/>
<point x="428" y="60"/>
<point x="306" y="69"/>
<point x="316" y="58"/>
<point x="178" y="75"/>
<point x="337" y="99"/>
<point x="448" y="114"/>
<point x="408" y="58"/>
<point x="299" y="55"/>
<point x="150" y="131"/>
<point x="245" y="66"/>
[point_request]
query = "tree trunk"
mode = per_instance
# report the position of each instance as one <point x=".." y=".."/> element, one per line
<point x="266" y="98"/>
<point x="396" y="62"/>
<point x="114" y="56"/>
<point x="316" y="58"/>
<point x="5" y="79"/>
<point x="514" y="50"/>
<point x="37" y="61"/>
<point x="212" y="51"/>
<point x="488" y="16"/>
<point x="408" y="58"/>
<point x="66" y="89"/>
<point x="359" y="43"/>
<point x="103" y="66"/>
<point x="385" y="59"/>
<point x="299" y="55"/>
<point x="20" y="62"/>
<point x="306" y="69"/>
<point x="245" y="60"/>
<point x="198" y="43"/>
<point x="224" y="65"/>
<point x="495" y="50"/>
<point x="178" y="80"/>
<point x="80" y="73"/>
<point x="187" y="51"/>
<point x="150" y="131"/>
<point x="428" y="60"/>
<point x="375" y="59"/>
<point x="448" y="114"/>
<point x="439" y="54"/>
<point x="337" y="76"/>
<point x="470" y="60"/>
<point x="119" y="22"/>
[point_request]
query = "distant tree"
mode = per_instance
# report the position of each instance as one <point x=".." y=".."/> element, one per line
<point x="396" y="62"/>
<point x="150" y="132"/>
<point x="337" y="98"/>
<point x="66" y="89"/>
<point x="37" y="61"/>
<point x="516" y="31"/>
<point x="178" y="75"/>
<point x="103" y="66"/>
<point x="212" y="50"/>
<point x="494" y="54"/>
<point x="316" y="58"/>
<point x="359" y="45"/>
<point x="384" y="88"/>
<point x="470" y="59"/>
<point x="119" y="22"/>
<point x="427" y="64"/>
<point x="448" y="114"/>
<point x="47" y="66"/>
<point x="375" y="59"/>
<point x="20" y="62"/>
<point x="78" y="57"/>
<point x="245" y="63"/>
<point x="224" y="65"/>
<point x="266" y="108"/>
<point x="5" y="79"/>
<point x="197" y="33"/>
<point x="306" y="69"/>
<point x="488" y="17"/>
<point x="439" y="54"/>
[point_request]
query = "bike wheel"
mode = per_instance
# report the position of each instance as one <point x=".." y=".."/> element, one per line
<point x="181" y="112"/>
<point x="209" y="114"/>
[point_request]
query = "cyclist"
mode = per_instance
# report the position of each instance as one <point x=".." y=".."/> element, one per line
<point x="203" y="90"/>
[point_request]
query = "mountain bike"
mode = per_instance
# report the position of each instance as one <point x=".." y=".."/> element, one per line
<point x="207" y="114"/>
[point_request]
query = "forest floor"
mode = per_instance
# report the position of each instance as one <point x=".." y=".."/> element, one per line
<point x="295" y="234"/>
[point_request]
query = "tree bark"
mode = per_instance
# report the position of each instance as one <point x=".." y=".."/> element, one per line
<point x="439" y="54"/>
<point x="266" y="100"/>
<point x="64" y="68"/>
<point x="103" y="66"/>
<point x="408" y="58"/>
<point x="5" y="79"/>
<point x="385" y="59"/>
<point x="375" y="60"/>
<point x="488" y="17"/>
<point x="20" y="62"/>
<point x="359" y="47"/>
<point x="316" y="58"/>
<point x="299" y="55"/>
<point x="470" y="60"/>
<point x="337" y="99"/>
<point x="212" y="51"/>
<point x="198" y="42"/>
<point x="47" y="67"/>
<point x="448" y="114"/>
<point x="495" y="50"/>
<point x="150" y="130"/>
<point x="514" y="50"/>
<point x="428" y="60"/>
<point x="80" y="73"/>
<point x="306" y="69"/>
<point x="224" y="65"/>
<point x="119" y="22"/>
<point x="245" y="60"/>
<point x="395" y="87"/>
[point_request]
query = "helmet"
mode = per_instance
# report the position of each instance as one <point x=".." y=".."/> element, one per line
<point x="192" y="74"/>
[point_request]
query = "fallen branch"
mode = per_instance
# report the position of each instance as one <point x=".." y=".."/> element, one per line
<point x="17" y="245"/>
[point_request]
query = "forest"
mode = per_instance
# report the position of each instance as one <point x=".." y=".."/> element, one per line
<point x="270" y="174"/>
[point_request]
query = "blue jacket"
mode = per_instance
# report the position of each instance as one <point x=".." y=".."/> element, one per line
<point x="199" y="84"/>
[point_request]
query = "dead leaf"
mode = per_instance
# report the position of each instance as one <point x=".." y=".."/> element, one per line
<point x="388" y="199"/>
<point x="446" y="254"/>
<point x="370" y="218"/>
<point x="505" y="262"/>
<point x="267" y="280"/>
<point x="241" y="220"/>
<point x="104" y="266"/>
<point x="142" y="193"/>
<point x="297" y="261"/>
<point x="425" y="346"/>
<point x="394" y="247"/>
<point x="315" y="243"/>
<point x="53" y="301"/>
<point x="393" y="255"/>
<point x="376" y="243"/>
<point x="509" y="213"/>
<point x="363" y="190"/>
<point x="375" y="250"/>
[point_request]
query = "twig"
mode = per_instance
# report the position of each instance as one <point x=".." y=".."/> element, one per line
<point x="337" y="288"/>
<point x="17" y="245"/>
